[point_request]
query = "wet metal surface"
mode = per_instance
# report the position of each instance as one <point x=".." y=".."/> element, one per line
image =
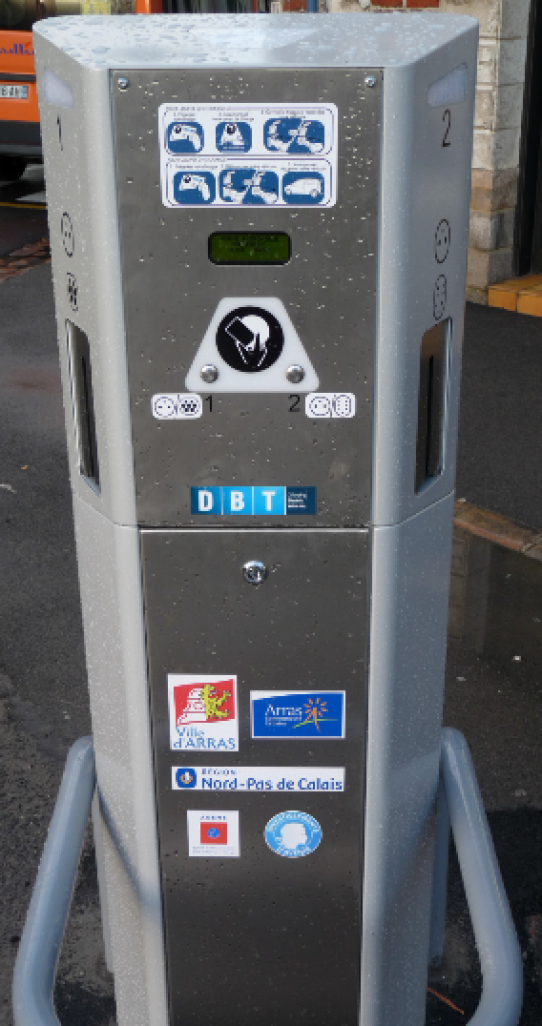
<point x="492" y="696"/>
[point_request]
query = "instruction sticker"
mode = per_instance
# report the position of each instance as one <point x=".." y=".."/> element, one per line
<point x="258" y="779"/>
<point x="203" y="713"/>
<point x="297" y="714"/>
<point x="213" y="834"/>
<point x="214" y="154"/>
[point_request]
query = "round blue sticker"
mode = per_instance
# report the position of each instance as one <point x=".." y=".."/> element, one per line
<point x="293" y="834"/>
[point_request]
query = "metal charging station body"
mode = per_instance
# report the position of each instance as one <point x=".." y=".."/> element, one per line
<point x="341" y="485"/>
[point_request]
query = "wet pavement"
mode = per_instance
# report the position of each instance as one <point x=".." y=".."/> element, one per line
<point x="493" y="684"/>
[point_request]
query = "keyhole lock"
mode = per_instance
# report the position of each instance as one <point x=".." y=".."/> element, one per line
<point x="255" y="572"/>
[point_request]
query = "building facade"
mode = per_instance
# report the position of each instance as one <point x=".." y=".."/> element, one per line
<point x="497" y="180"/>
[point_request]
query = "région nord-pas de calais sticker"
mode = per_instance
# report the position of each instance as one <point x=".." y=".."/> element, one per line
<point x="259" y="779"/>
<point x="213" y="834"/>
<point x="203" y="712"/>
<point x="297" y="714"/>
<point x="293" y="834"/>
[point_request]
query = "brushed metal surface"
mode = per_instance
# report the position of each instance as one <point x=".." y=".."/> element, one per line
<point x="261" y="937"/>
<point x="171" y="290"/>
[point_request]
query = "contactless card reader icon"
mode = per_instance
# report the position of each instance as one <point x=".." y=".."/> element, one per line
<point x="250" y="340"/>
<point x="251" y="345"/>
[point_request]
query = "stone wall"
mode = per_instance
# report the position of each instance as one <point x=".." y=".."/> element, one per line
<point x="499" y="106"/>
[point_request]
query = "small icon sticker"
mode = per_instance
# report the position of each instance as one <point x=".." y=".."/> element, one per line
<point x="301" y="187"/>
<point x="249" y="186"/>
<point x="192" y="189"/>
<point x="73" y="289"/>
<point x="213" y="834"/>
<point x="330" y="405"/>
<point x="443" y="238"/>
<point x="250" y="339"/>
<point x="440" y="297"/>
<point x="186" y="779"/>
<point x="293" y="834"/>
<point x="185" y="137"/>
<point x="233" y="137"/>
<point x="298" y="715"/>
<point x="203" y="713"/>
<point x="294" y="136"/>
<point x="68" y="238"/>
<point x="176" y="407"/>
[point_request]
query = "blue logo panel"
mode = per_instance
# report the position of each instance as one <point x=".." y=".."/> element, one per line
<point x="293" y="834"/>
<point x="270" y="500"/>
<point x="186" y="778"/>
<point x="233" y="137"/>
<point x="191" y="187"/>
<point x="301" y="501"/>
<point x="298" y="714"/>
<point x="247" y="500"/>
<point x="185" y="137"/>
<point x="237" y="501"/>
<point x="206" y="500"/>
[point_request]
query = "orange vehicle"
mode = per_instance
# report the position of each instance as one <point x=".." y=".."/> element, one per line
<point x="20" y="138"/>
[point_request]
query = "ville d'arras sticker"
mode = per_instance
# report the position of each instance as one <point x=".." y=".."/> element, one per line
<point x="203" y="712"/>
<point x="259" y="779"/>
<point x="213" y="834"/>
<point x="297" y="714"/>
<point x="293" y="834"/>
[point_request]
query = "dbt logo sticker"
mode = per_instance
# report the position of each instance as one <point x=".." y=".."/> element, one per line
<point x="293" y="834"/>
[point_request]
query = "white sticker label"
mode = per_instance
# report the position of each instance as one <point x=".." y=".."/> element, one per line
<point x="213" y="834"/>
<point x="259" y="779"/>
<point x="330" y="405"/>
<point x="173" y="406"/>
<point x="203" y="713"/>
<point x="256" y="155"/>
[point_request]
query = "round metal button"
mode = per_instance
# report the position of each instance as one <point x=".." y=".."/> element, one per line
<point x="209" y="373"/>
<point x="255" y="572"/>
<point x="295" y="374"/>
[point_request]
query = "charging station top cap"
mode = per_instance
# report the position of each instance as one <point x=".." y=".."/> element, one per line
<point x="226" y="40"/>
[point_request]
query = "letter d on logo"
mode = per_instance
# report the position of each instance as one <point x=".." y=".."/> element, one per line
<point x="205" y="500"/>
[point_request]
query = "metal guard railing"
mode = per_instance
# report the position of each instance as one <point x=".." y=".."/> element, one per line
<point x="459" y="810"/>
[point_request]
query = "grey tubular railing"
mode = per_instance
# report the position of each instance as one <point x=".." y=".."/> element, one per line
<point x="37" y="958"/>
<point x="460" y="810"/>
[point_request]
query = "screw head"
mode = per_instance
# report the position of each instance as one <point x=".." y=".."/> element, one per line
<point x="209" y="373"/>
<point x="370" y="81"/>
<point x="255" y="572"/>
<point x="295" y="374"/>
<point x="123" y="83"/>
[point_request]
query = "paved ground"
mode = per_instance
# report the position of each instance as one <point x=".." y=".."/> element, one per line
<point x="492" y="696"/>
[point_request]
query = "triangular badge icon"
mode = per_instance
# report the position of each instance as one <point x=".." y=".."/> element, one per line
<point x="252" y="343"/>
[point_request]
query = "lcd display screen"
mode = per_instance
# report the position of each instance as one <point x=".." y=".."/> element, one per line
<point x="250" y="248"/>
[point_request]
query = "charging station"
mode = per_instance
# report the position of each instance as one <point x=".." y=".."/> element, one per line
<point x="259" y="231"/>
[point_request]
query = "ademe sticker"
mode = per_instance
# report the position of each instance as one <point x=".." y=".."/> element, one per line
<point x="259" y="779"/>
<point x="293" y="834"/>
<point x="213" y="834"/>
<point x="203" y="712"/>
<point x="297" y="714"/>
